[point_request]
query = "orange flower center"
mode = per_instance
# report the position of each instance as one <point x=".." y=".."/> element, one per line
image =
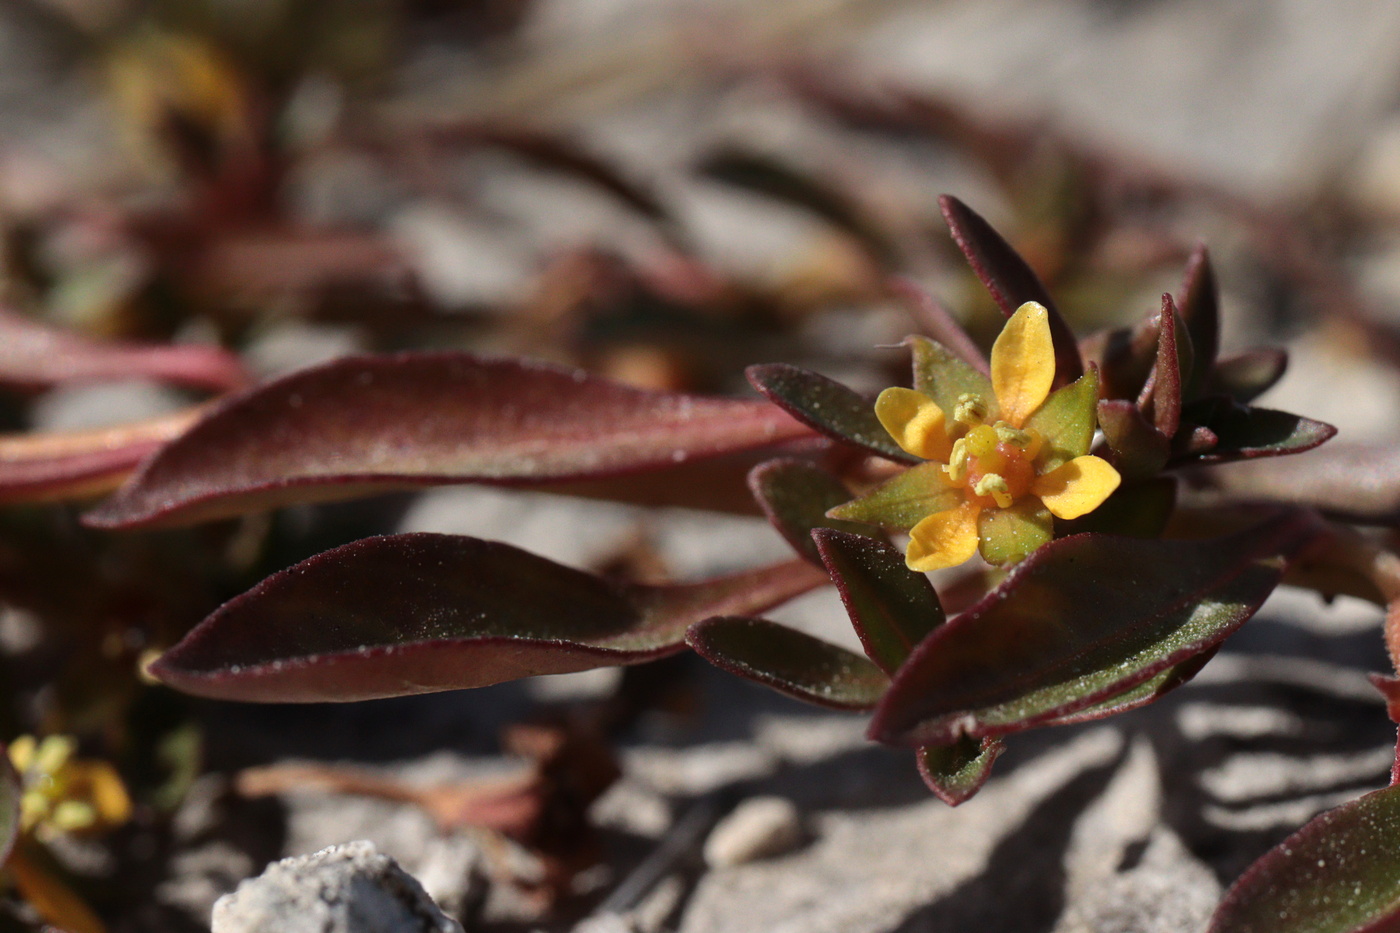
<point x="994" y="464"/>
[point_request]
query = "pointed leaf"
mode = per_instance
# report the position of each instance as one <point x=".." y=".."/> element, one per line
<point x="1199" y="304"/>
<point x="1244" y="432"/>
<point x="904" y="500"/>
<point x="827" y="406"/>
<point x="1139" y="449"/>
<point x="891" y="607"/>
<point x="9" y="805"/>
<point x="1082" y="620"/>
<point x="938" y="323"/>
<point x="1066" y="421"/>
<point x="1010" y="280"/>
<point x="1360" y="482"/>
<point x="789" y="661"/>
<point x="1125" y="357"/>
<point x="1338" y="874"/>
<point x="1248" y="375"/>
<point x="1149" y="691"/>
<point x="955" y="772"/>
<point x="82" y="464"/>
<point x="795" y="496"/>
<point x="405" y="614"/>
<point x="364" y="424"/>
<point x="1161" y="397"/>
<point x="35" y="355"/>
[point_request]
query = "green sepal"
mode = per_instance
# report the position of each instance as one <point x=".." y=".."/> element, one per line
<point x="1066" y="422"/>
<point x="944" y="377"/>
<point x="1006" y="536"/>
<point x="902" y="502"/>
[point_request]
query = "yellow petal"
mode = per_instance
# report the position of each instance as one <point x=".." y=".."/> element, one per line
<point x="1076" y="488"/>
<point x="915" y="422"/>
<point x="944" y="539"/>
<point x="1023" y="363"/>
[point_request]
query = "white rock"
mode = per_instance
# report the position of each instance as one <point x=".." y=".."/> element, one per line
<point x="352" y="888"/>
<point x="758" y="828"/>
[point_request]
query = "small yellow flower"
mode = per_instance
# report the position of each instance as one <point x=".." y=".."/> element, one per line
<point x="1002" y="461"/>
<point x="61" y="794"/>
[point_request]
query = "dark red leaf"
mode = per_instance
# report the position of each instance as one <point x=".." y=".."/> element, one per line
<point x="1199" y="304"/>
<point x="406" y="614"/>
<point x="827" y="406"/>
<point x="1248" y="375"/>
<point x="1082" y="620"/>
<point x="1244" y="432"/>
<point x="1162" y="394"/>
<point x="1338" y="874"/>
<point x="1139" y="449"/>
<point x="1360" y="482"/>
<point x="892" y="607"/>
<point x="81" y="464"/>
<point x="365" y="424"/>
<point x="789" y="661"/>
<point x="35" y="355"/>
<point x="795" y="496"/>
<point x="1010" y="280"/>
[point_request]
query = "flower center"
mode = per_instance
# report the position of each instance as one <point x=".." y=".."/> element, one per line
<point x="994" y="464"/>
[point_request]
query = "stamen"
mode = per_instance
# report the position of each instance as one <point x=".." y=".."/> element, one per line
<point x="995" y="486"/>
<point x="1009" y="435"/>
<point x="971" y="410"/>
<point x="957" y="461"/>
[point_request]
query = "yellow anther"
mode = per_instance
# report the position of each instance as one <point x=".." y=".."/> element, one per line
<point x="957" y="461"/>
<point x="1006" y="434"/>
<point x="54" y="752"/>
<point x="995" y="486"/>
<point x="971" y="410"/>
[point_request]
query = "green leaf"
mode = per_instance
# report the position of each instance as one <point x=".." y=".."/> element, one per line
<point x="827" y="406"/>
<point x="1080" y="621"/>
<point x="955" y="772"/>
<point x="1066" y="422"/>
<point x="1149" y="691"/>
<point x="1340" y="873"/>
<point x="1244" y="432"/>
<point x="9" y="805"/>
<point x="902" y="501"/>
<point x="1010" y="535"/>
<point x="891" y="607"/>
<point x="789" y="661"/>
<point x="404" y="614"/>
<point x="944" y="377"/>
<point x="1139" y="449"/>
<point x="795" y="496"/>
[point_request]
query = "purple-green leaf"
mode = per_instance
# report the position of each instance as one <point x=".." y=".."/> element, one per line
<point x="1245" y="432"/>
<point x="365" y="424"/>
<point x="795" y="497"/>
<point x="9" y="805"/>
<point x="789" y="661"/>
<point x="891" y="607"/>
<point x="1340" y="873"/>
<point x="1084" y="619"/>
<point x="1162" y="394"/>
<point x="405" y="614"/>
<point x="1360" y="482"/>
<point x="1010" y="280"/>
<point x="826" y="406"/>
<point x="1139" y="449"/>
<point x="955" y="772"/>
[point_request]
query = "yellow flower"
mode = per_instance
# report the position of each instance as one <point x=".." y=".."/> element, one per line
<point x="1003" y="461"/>
<point x="59" y="793"/>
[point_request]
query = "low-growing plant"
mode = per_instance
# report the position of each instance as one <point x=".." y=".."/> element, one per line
<point x="1112" y="564"/>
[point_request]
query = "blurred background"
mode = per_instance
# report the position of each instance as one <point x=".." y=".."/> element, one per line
<point x="664" y="192"/>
